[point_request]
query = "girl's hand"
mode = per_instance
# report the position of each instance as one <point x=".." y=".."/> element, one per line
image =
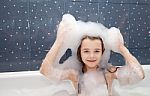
<point x="114" y="39"/>
<point x="66" y="26"/>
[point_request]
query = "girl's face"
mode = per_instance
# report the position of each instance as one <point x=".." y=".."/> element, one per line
<point x="91" y="52"/>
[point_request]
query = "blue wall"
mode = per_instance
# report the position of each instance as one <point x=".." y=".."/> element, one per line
<point x="28" y="27"/>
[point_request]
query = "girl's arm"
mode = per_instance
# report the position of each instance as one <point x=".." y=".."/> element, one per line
<point x="50" y="57"/>
<point x="132" y="72"/>
<point x="48" y="62"/>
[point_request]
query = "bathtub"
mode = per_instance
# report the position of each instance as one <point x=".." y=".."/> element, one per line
<point x="32" y="83"/>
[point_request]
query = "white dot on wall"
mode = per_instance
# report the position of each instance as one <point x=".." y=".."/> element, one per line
<point x="109" y="24"/>
<point x="11" y="35"/>
<point x="12" y="52"/>
<point x="35" y="17"/>
<point x="3" y="21"/>
<point x="7" y="26"/>
<point x="108" y="12"/>
<point x="142" y="8"/>
<point x="104" y="18"/>
<point x="49" y="33"/>
<point x="34" y="5"/>
<point x="43" y="37"/>
<point x="10" y="65"/>
<point x="146" y="11"/>
<point x="103" y="7"/>
<point x="45" y="5"/>
<point x="90" y="3"/>
<point x="27" y="48"/>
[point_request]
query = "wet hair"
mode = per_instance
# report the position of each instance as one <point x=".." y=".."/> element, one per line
<point x="79" y="49"/>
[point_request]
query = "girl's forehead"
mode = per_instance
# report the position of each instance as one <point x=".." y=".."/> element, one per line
<point x="91" y="43"/>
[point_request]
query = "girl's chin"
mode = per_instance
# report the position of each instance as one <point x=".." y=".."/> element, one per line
<point x="92" y="65"/>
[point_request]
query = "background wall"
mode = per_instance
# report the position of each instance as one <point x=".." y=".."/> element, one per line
<point x="28" y="27"/>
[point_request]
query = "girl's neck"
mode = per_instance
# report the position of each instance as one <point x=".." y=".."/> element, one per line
<point x="91" y="68"/>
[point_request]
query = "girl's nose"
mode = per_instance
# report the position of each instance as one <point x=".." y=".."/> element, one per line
<point x="91" y="54"/>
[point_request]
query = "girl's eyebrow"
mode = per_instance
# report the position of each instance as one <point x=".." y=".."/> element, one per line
<point x="85" y="49"/>
<point x="97" y="49"/>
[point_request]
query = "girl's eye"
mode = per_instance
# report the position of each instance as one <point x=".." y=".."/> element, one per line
<point x="85" y="51"/>
<point x="97" y="51"/>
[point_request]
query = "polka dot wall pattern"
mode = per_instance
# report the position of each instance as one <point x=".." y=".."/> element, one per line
<point x="28" y="27"/>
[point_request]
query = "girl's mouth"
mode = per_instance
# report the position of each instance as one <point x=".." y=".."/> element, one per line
<point x="91" y="60"/>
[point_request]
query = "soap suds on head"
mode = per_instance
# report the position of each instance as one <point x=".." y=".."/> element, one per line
<point x="78" y="29"/>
